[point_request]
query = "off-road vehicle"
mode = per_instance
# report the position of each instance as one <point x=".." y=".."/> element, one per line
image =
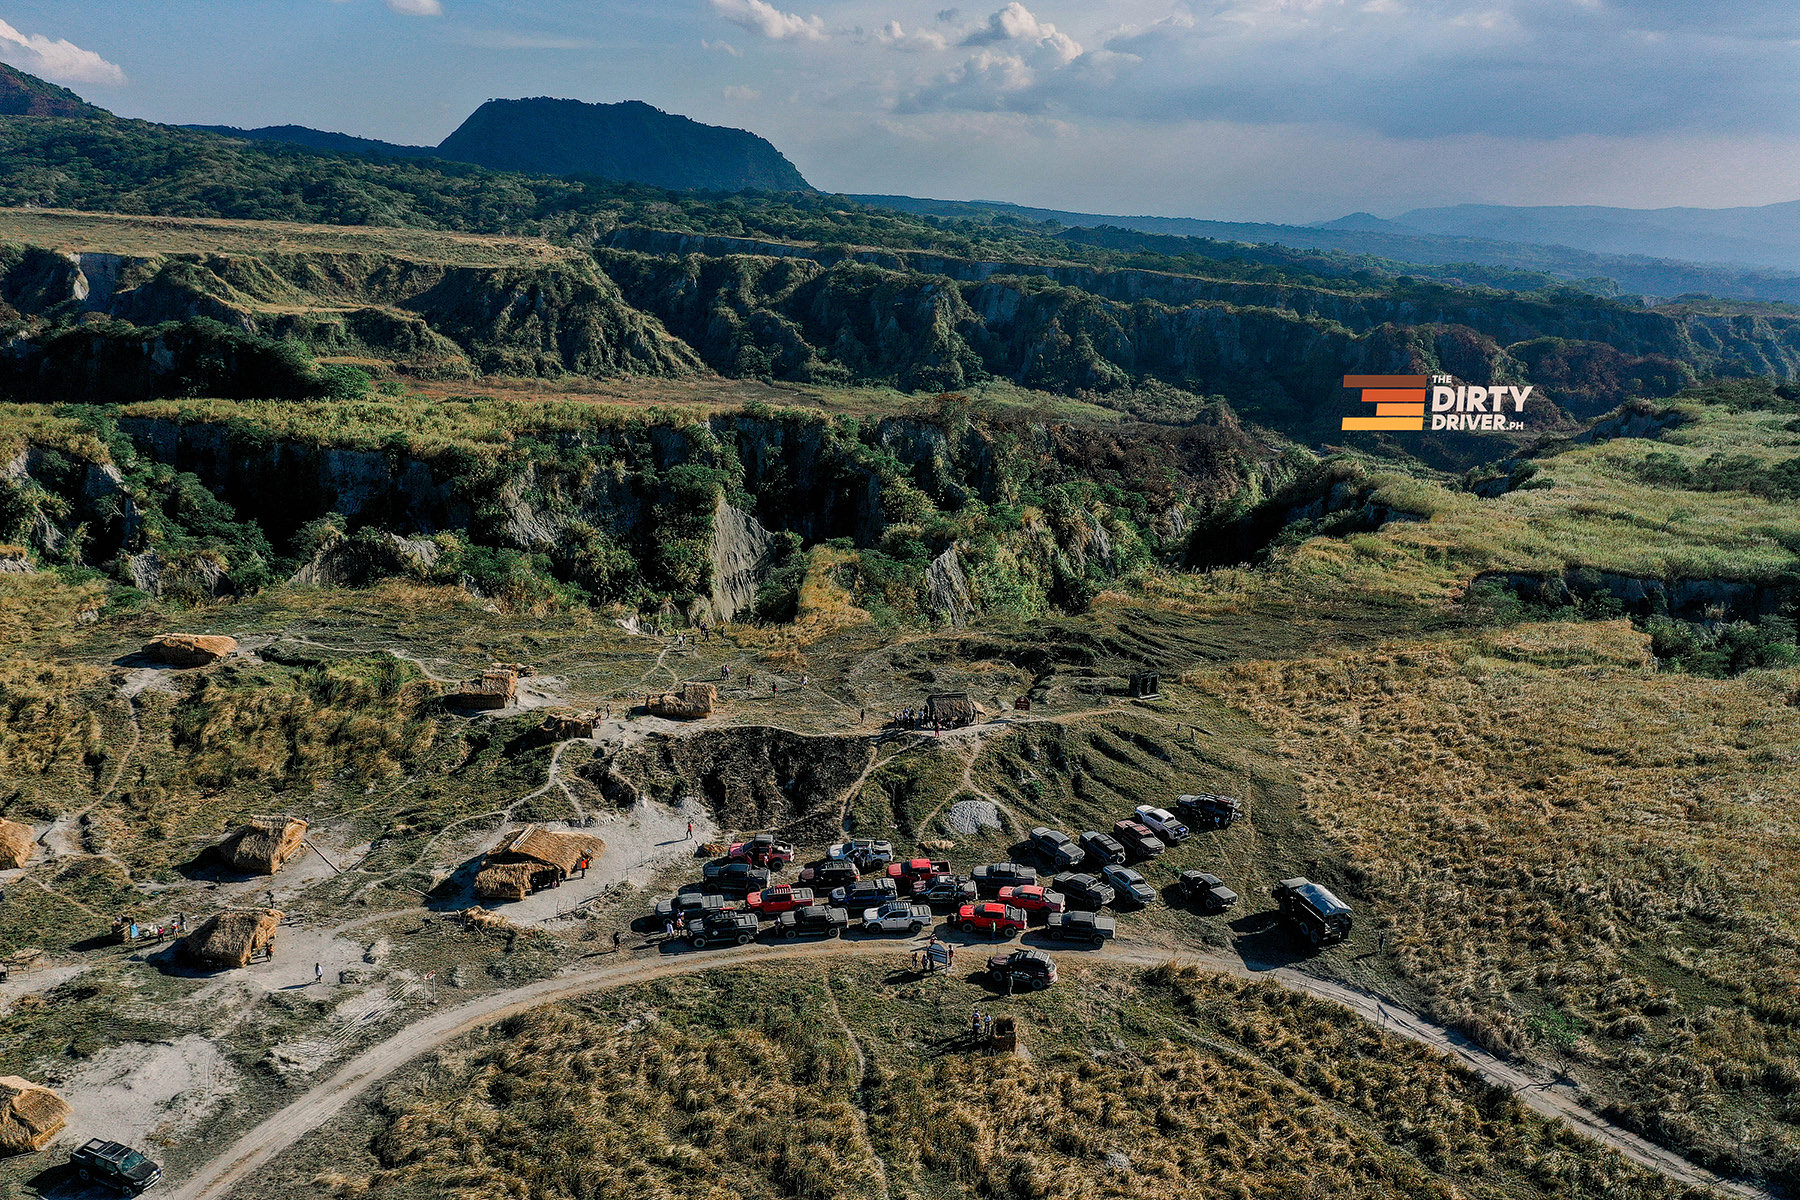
<point x="1102" y="848"/>
<point x="1033" y="898"/>
<point x="1083" y="891"/>
<point x="947" y="891"/>
<point x="1129" y="886"/>
<point x="1209" y="811"/>
<point x="733" y="878"/>
<point x="992" y="917"/>
<point x="1310" y="907"/>
<point x="916" y="871"/>
<point x="829" y="874"/>
<point x="761" y="851"/>
<point x="820" y="920"/>
<point x="1092" y="928"/>
<point x="1022" y="970"/>
<point x="723" y="929"/>
<point x="864" y="852"/>
<point x="991" y="877"/>
<point x="773" y="901"/>
<point x="1056" y="848"/>
<point x="897" y="916"/>
<point x="1137" y="839"/>
<point x="691" y="905"/>
<point x="1206" y="892"/>
<point x="1163" y="823"/>
<point x="865" y="893"/>
<point x="114" y="1165"/>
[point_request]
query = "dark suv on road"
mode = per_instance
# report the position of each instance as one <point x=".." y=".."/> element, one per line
<point x="733" y="878"/>
<point x="722" y="929"/>
<point x="113" y="1165"/>
<point x="818" y="920"/>
<point x="1312" y="909"/>
<point x="1088" y="927"/>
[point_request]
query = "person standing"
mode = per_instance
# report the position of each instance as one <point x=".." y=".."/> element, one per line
<point x="618" y="938"/>
<point x="318" y="972"/>
<point x="690" y="831"/>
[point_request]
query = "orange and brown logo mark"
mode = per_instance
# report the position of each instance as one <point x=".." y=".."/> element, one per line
<point x="1399" y="402"/>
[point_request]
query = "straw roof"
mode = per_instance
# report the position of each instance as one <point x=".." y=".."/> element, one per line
<point x="263" y="844"/>
<point x="227" y="939"/>
<point x="496" y="687"/>
<point x="509" y="869"/>
<point x="953" y="708"/>
<point x="693" y="700"/>
<point x="506" y="881"/>
<point x="30" y="1115"/>
<point x="16" y="842"/>
<point x="548" y="846"/>
<point x="189" y="649"/>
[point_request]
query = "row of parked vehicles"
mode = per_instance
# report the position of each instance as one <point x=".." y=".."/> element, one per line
<point x="860" y="885"/>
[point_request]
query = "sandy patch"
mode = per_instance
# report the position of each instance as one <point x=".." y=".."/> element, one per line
<point x="136" y="1092"/>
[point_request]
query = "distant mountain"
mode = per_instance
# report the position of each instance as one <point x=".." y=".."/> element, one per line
<point x="1361" y="233"/>
<point x="23" y="95"/>
<point x="629" y="141"/>
<point x="319" y="139"/>
<point x="1764" y="236"/>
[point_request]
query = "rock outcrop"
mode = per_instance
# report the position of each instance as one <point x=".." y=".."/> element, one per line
<point x="740" y="560"/>
<point x="189" y="649"/>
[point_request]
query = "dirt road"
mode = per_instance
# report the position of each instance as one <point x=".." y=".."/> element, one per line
<point x="329" y="1097"/>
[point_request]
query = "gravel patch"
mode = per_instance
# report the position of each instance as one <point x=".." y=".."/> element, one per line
<point x="972" y="816"/>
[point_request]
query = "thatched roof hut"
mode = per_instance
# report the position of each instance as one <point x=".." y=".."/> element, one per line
<point x="496" y="687"/>
<point x="693" y="700"/>
<point x="16" y="843"/>
<point x="30" y="1115"/>
<point x="232" y="937"/>
<point x="953" y="709"/>
<point x="263" y="844"/>
<point x="530" y="859"/>
<point x="562" y="726"/>
<point x="189" y="649"/>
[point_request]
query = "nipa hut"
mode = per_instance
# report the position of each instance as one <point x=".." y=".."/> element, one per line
<point x="496" y="687"/>
<point x="189" y="649"/>
<point x="561" y="726"/>
<point x="30" y="1115"/>
<point x="952" y="709"/>
<point x="693" y="700"/>
<point x="15" y="844"/>
<point x="530" y="859"/>
<point x="231" y="938"/>
<point x="263" y="844"/>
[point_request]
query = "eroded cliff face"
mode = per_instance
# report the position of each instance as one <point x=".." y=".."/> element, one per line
<point x="934" y="520"/>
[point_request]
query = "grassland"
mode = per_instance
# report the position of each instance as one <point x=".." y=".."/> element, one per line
<point x="837" y="1082"/>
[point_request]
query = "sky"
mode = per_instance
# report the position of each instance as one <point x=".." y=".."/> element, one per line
<point x="1271" y="110"/>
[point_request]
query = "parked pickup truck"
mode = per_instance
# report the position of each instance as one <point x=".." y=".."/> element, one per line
<point x="1092" y="928"/>
<point x="114" y="1165"/>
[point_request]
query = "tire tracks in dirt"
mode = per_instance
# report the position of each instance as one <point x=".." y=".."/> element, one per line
<point x="259" y="1145"/>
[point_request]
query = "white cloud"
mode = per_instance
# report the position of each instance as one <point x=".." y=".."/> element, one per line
<point x="1016" y="23"/>
<point x="893" y="34"/>
<point x="762" y="18"/>
<point x="736" y="92"/>
<point x="417" y="8"/>
<point x="57" y="60"/>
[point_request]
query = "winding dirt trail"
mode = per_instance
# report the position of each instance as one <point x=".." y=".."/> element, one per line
<point x="263" y="1142"/>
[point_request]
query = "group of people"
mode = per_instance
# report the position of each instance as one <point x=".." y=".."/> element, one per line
<point x="913" y="718"/>
<point x="934" y="954"/>
<point x="981" y="1025"/>
<point x="134" y="930"/>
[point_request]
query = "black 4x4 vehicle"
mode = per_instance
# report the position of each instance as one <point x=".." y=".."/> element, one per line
<point x="719" y="929"/>
<point x="1082" y="891"/>
<point x="1081" y="927"/>
<point x="1207" y="892"/>
<point x="1103" y="849"/>
<point x="947" y="891"/>
<point x="989" y="879"/>
<point x="733" y="878"/>
<point x="1313" y="910"/>
<point x="113" y="1165"/>
<point x="831" y="873"/>
<point x="1208" y="811"/>
<point x="818" y="920"/>
<point x="1022" y="970"/>
<point x="1056" y="848"/>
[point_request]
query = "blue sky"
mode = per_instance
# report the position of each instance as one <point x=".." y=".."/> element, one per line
<point x="1237" y="109"/>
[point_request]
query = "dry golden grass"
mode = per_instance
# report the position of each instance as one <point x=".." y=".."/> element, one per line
<point x="827" y="1082"/>
<point x="146" y="236"/>
<point x="1557" y="837"/>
